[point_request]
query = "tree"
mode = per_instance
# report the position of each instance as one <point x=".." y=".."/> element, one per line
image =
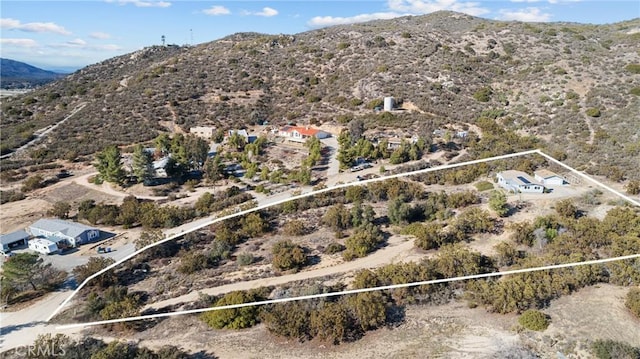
<point x="108" y="163"/>
<point x="236" y="318"/>
<point x="287" y="255"/>
<point x="163" y="143"/>
<point x="214" y="169"/>
<point x="60" y="209"/>
<point x="23" y="268"/>
<point x="337" y="217"/>
<point x="142" y="164"/>
<point x="498" y="203"/>
<point x="197" y="150"/>
<point x="364" y="240"/>
<point x="94" y="265"/>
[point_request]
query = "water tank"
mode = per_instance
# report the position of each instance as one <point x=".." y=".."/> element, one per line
<point x="388" y="103"/>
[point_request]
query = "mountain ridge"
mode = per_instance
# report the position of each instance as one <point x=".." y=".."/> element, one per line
<point x="540" y="79"/>
<point x="15" y="74"/>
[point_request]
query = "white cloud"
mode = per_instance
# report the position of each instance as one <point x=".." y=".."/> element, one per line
<point x="403" y="8"/>
<point x="99" y="35"/>
<point x="217" y="10"/>
<point x="12" y="24"/>
<point x="77" y="43"/>
<point x="19" y="42"/>
<point x="322" y="21"/>
<point x="267" y="12"/>
<point x="142" y="3"/>
<point x="530" y="14"/>
<point x="420" y="7"/>
<point x="531" y="1"/>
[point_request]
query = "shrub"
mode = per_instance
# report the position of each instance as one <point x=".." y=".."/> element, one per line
<point x="611" y="349"/>
<point x="334" y="247"/>
<point x="534" y="320"/>
<point x="633" y="68"/>
<point x="635" y="91"/>
<point x="633" y="301"/>
<point x="483" y="95"/>
<point x="484" y="186"/>
<point x="287" y="255"/>
<point x="244" y="259"/>
<point x="236" y="318"/>
<point x="593" y="112"/>
<point x="633" y="187"/>
<point x="294" y="228"/>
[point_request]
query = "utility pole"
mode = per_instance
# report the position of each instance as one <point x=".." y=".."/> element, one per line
<point x="163" y="38"/>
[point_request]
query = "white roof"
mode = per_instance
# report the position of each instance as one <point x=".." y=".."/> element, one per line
<point x="520" y="178"/>
<point x="71" y="229"/>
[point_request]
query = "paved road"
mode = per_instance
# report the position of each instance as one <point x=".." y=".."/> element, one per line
<point x="46" y="131"/>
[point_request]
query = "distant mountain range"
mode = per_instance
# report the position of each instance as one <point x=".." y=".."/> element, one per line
<point x="16" y="74"/>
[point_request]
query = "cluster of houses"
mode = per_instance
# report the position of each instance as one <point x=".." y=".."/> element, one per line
<point x="48" y="236"/>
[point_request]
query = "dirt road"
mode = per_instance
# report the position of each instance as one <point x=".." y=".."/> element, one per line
<point x="397" y="250"/>
<point x="20" y="328"/>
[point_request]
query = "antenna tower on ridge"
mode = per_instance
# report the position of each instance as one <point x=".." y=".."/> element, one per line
<point x="163" y="38"/>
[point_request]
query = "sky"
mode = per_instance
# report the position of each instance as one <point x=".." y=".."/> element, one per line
<point x="68" y="35"/>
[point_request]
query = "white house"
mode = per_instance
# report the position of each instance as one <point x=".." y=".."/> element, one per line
<point x="518" y="181"/>
<point x="43" y="245"/>
<point x="548" y="178"/>
<point x="205" y="132"/>
<point x="58" y="230"/>
<point x="301" y="134"/>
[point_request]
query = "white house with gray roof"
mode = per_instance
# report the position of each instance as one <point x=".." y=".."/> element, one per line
<point x="519" y="182"/>
<point x="58" y="230"/>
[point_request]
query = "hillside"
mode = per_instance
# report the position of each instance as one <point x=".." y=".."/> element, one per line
<point x="16" y="74"/>
<point x="575" y="87"/>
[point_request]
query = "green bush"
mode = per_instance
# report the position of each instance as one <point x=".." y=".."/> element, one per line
<point x="611" y="349"/>
<point x="483" y="186"/>
<point x="533" y="320"/>
<point x="334" y="247"/>
<point x="244" y="259"/>
<point x="287" y="255"/>
<point x="236" y="318"/>
<point x="593" y="112"/>
<point x="633" y="68"/>
<point x="635" y="91"/>
<point x="633" y="301"/>
<point x="483" y="95"/>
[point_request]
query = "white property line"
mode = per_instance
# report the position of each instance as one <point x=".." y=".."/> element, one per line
<point x="575" y="171"/>
<point x="308" y="194"/>
<point x="293" y="198"/>
<point x="352" y="291"/>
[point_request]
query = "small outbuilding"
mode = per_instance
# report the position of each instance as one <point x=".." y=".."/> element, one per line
<point x="549" y="178"/>
<point x="43" y="245"/>
<point x="14" y="240"/>
<point x="73" y="233"/>
<point x="519" y="182"/>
